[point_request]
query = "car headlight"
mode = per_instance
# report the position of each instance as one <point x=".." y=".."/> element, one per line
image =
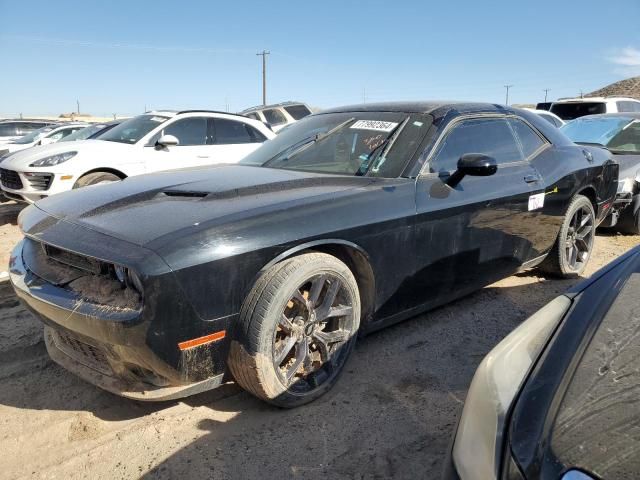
<point x="128" y="278"/>
<point x="478" y="445"/>
<point x="53" y="159"/>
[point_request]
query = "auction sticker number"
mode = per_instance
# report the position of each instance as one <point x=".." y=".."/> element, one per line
<point x="376" y="125"/>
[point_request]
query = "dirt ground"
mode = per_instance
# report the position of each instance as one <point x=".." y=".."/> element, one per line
<point x="391" y="414"/>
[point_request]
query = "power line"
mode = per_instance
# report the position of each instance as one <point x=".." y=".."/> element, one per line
<point x="506" y="102"/>
<point x="264" y="54"/>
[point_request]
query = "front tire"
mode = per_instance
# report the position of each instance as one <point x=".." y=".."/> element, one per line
<point x="296" y="330"/>
<point x="96" y="178"/>
<point x="569" y="256"/>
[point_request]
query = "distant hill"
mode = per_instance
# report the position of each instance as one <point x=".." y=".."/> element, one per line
<point x="624" y="88"/>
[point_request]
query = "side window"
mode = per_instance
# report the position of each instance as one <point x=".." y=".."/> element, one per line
<point x="58" y="135"/>
<point x="297" y="111"/>
<point x="253" y="115"/>
<point x="230" y="132"/>
<point x="623" y="106"/>
<point x="256" y="135"/>
<point x="274" y="116"/>
<point x="62" y="133"/>
<point x="530" y="141"/>
<point x="188" y="131"/>
<point x="490" y="136"/>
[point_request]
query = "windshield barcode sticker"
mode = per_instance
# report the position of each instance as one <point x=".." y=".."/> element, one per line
<point x="376" y="125"/>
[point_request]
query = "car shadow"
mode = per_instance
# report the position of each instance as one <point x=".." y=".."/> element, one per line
<point x="391" y="414"/>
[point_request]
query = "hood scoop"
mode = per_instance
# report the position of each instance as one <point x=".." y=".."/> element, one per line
<point x="185" y="193"/>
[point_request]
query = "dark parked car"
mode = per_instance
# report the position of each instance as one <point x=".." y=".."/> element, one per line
<point x="558" y="397"/>
<point x="620" y="134"/>
<point x="172" y="283"/>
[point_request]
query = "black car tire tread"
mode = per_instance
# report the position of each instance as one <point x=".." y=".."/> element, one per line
<point x="249" y="360"/>
<point x="96" y="177"/>
<point x="554" y="264"/>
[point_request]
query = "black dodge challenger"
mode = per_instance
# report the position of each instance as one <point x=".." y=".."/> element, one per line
<point x="169" y="284"/>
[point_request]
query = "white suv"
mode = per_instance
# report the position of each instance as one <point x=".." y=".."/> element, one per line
<point x="152" y="142"/>
<point x="279" y="115"/>
<point x="570" y="108"/>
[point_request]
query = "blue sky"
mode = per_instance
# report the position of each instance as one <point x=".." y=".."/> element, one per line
<point x="118" y="56"/>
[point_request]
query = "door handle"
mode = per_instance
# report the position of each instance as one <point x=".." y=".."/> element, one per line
<point x="203" y="156"/>
<point x="531" y="178"/>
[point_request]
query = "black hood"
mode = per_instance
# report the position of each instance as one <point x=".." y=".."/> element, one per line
<point x="143" y="209"/>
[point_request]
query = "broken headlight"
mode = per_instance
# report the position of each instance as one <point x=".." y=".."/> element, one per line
<point x="128" y="278"/>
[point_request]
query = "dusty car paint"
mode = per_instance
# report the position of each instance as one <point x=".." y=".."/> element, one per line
<point x="200" y="238"/>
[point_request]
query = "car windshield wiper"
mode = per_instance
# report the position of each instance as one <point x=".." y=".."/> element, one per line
<point x="383" y="148"/>
<point x="302" y="145"/>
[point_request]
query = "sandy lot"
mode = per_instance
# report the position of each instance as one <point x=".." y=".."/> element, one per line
<point x="390" y="416"/>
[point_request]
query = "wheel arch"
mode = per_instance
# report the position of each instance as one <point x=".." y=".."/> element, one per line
<point x="590" y="192"/>
<point x="354" y="256"/>
<point x="113" y="171"/>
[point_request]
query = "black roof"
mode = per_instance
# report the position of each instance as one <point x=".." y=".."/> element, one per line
<point x="421" y="107"/>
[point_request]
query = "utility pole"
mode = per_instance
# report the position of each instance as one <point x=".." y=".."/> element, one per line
<point x="264" y="54"/>
<point x="546" y="91"/>
<point x="78" y="105"/>
<point x="226" y="103"/>
<point x="364" y="94"/>
<point x="507" y="99"/>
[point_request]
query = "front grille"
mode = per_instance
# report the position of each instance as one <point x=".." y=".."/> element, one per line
<point x="39" y="181"/>
<point x="88" y="355"/>
<point x="10" y="179"/>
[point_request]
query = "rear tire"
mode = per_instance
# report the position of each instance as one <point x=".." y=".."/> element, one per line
<point x="96" y="178"/>
<point x="296" y="330"/>
<point x="569" y="256"/>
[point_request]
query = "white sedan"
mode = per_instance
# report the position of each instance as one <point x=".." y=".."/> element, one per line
<point x="42" y="136"/>
<point x="152" y="142"/>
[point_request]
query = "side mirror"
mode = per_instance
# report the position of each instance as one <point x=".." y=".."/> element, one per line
<point x="45" y="141"/>
<point x="474" y="164"/>
<point x="167" y="141"/>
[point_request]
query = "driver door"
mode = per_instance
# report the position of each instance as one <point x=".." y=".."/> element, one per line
<point x="474" y="233"/>
<point x="192" y="150"/>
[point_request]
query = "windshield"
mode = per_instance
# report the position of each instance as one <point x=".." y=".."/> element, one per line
<point x="352" y="143"/>
<point x="618" y="134"/>
<point x="569" y="111"/>
<point x="83" y="133"/>
<point x="132" y="130"/>
<point x="33" y="136"/>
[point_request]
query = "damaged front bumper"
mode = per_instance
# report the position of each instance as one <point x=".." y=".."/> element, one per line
<point x="110" y="347"/>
